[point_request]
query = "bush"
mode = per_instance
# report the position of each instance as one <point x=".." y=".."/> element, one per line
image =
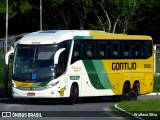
<point x="1" y="71"/>
<point x="156" y="84"/>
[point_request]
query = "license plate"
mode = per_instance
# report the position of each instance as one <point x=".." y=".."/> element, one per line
<point x="30" y="94"/>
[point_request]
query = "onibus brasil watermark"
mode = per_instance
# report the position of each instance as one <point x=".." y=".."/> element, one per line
<point x="22" y="114"/>
<point x="150" y="114"/>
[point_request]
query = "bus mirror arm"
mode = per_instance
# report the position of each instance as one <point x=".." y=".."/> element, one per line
<point x="7" y="56"/>
<point x="7" y="69"/>
<point x="57" y="54"/>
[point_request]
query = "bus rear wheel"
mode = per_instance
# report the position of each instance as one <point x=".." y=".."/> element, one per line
<point x="126" y="95"/>
<point x="73" y="94"/>
<point x="135" y="91"/>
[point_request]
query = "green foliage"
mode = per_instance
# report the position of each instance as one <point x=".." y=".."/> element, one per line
<point x="121" y="114"/>
<point x="1" y="71"/>
<point x="25" y="7"/>
<point x="87" y="5"/>
<point x="76" y="14"/>
<point x="15" y="7"/>
<point x="2" y="6"/>
<point x="56" y="2"/>
<point x="99" y="26"/>
<point x="141" y="105"/>
<point x="156" y="84"/>
<point x="158" y="62"/>
<point x="146" y="107"/>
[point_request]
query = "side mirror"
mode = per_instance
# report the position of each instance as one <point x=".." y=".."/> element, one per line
<point x="57" y="54"/>
<point x="7" y="56"/>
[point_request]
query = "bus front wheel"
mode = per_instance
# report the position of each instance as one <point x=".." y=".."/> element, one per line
<point x="73" y="94"/>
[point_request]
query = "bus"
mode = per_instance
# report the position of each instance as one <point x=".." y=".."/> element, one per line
<point x="82" y="63"/>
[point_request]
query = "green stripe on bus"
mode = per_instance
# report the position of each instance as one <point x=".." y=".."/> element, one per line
<point x="92" y="73"/>
<point x="41" y="83"/>
<point x="102" y="74"/>
<point x="82" y="37"/>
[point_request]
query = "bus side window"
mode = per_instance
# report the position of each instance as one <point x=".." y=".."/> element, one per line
<point x="76" y="54"/>
<point x="147" y="49"/>
<point x="127" y="49"/>
<point x="138" y="48"/>
<point x="91" y="49"/>
<point x="103" y="49"/>
<point x="78" y="51"/>
<point x="115" y="49"/>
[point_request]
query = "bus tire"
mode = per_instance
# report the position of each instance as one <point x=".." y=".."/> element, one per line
<point x="73" y="94"/>
<point x="126" y="95"/>
<point x="135" y="91"/>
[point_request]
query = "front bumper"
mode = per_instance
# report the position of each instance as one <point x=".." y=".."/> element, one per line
<point x="46" y="93"/>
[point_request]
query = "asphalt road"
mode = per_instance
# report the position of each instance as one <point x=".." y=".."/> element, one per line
<point x="57" y="109"/>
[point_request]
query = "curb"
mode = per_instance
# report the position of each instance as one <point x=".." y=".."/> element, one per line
<point x="150" y="94"/>
<point x="128" y="113"/>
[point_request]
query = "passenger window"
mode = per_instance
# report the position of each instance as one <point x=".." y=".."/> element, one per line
<point x="89" y="49"/>
<point x="78" y="51"/>
<point x="115" y="49"/>
<point x="111" y="49"/>
<point x="147" y="49"/>
<point x="76" y="54"/>
<point x="138" y="48"/>
<point x="127" y="49"/>
<point x="103" y="49"/>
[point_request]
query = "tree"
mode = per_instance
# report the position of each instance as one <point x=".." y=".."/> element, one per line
<point x="66" y="12"/>
<point x="56" y="10"/>
<point x="109" y="15"/>
<point x="121" y="15"/>
<point x="82" y="8"/>
<point x="125" y="12"/>
<point x="15" y="7"/>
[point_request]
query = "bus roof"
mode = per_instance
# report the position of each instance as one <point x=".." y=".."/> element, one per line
<point x="112" y="36"/>
<point x="57" y="36"/>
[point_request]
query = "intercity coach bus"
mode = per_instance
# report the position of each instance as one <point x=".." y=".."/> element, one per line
<point x="82" y="63"/>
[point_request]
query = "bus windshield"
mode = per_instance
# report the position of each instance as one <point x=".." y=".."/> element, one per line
<point x="34" y="62"/>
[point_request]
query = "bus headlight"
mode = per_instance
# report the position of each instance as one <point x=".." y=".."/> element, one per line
<point x="52" y="84"/>
<point x="14" y="85"/>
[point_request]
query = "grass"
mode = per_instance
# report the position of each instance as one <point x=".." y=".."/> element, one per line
<point x="158" y="61"/>
<point x="120" y="114"/>
<point x="156" y="84"/>
<point x="141" y="107"/>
